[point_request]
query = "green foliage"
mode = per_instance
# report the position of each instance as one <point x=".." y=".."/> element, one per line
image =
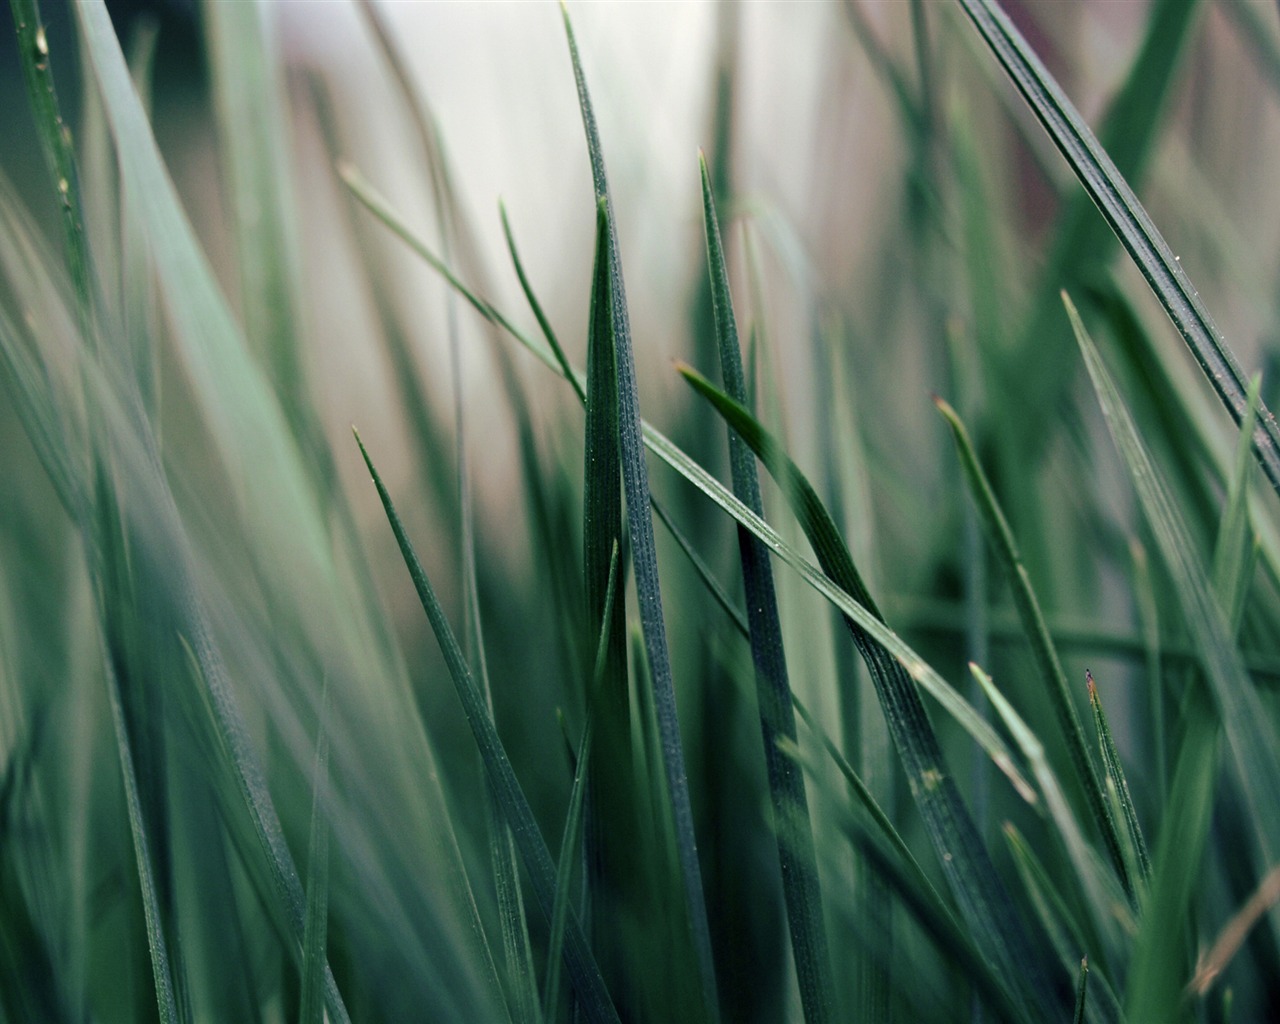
<point x="242" y="778"/>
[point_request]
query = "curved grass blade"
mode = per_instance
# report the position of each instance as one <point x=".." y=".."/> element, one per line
<point x="1141" y="870"/>
<point x="1129" y="220"/>
<point x="644" y="559"/>
<point x="984" y="902"/>
<point x="794" y="829"/>
<point x="569" y="841"/>
<point x="581" y="965"/>
<point x="1042" y="647"/>
<point x="315" y="928"/>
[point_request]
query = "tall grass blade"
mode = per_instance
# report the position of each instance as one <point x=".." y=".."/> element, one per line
<point x="580" y="964"/>
<point x="1043" y="650"/>
<point x="1129" y="220"/>
<point x="984" y="902"/>
<point x="1141" y="870"/>
<point x="573" y="820"/>
<point x="315" y="928"/>
<point x="644" y="558"/>
<point x="798" y="861"/>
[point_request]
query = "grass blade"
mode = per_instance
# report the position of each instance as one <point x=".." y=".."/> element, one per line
<point x="569" y="841"/>
<point x="1066" y="828"/>
<point x="315" y="929"/>
<point x="1141" y="870"/>
<point x="1249" y="736"/>
<point x="984" y="902"/>
<point x="254" y="128"/>
<point x="635" y="476"/>
<point x="1082" y="990"/>
<point x="1234" y="551"/>
<point x="798" y="861"/>
<point x="1043" y="650"/>
<point x="585" y="975"/>
<point x="1129" y="220"/>
<point x="55" y="143"/>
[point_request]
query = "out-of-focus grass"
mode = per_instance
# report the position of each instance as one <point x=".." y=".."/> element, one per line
<point x="240" y="779"/>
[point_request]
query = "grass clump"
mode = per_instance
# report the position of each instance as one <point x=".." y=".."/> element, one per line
<point x="816" y="749"/>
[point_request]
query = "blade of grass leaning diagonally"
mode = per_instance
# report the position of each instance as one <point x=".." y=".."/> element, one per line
<point x="56" y="143"/>
<point x="212" y="343"/>
<point x="1129" y="220"/>
<point x="583" y="972"/>
<point x="792" y="824"/>
<point x="678" y="460"/>
<point x="315" y="929"/>
<point x="1234" y="550"/>
<point x="1136" y="849"/>
<point x="573" y="820"/>
<point x="1250" y="738"/>
<point x="635" y="476"/>
<point x="1043" y="650"/>
<point x="984" y="901"/>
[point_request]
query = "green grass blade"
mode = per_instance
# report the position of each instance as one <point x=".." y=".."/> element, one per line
<point x="954" y="942"/>
<point x="798" y="861"/>
<point x="985" y="903"/>
<point x="161" y="965"/>
<point x="1067" y="829"/>
<point x="1249" y="736"/>
<point x="59" y="156"/>
<point x="315" y="929"/>
<point x="1234" y="550"/>
<point x="1116" y="775"/>
<point x="573" y="820"/>
<point x="1057" y="914"/>
<point x="1129" y="220"/>
<point x="253" y="130"/>
<point x="613" y="827"/>
<point x="871" y="806"/>
<point x="635" y="475"/>
<point x="581" y="966"/>
<point x="547" y="331"/>
<point x="1082" y="991"/>
<point x="1043" y="650"/>
<point x="677" y="459"/>
<point x="1252" y="741"/>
